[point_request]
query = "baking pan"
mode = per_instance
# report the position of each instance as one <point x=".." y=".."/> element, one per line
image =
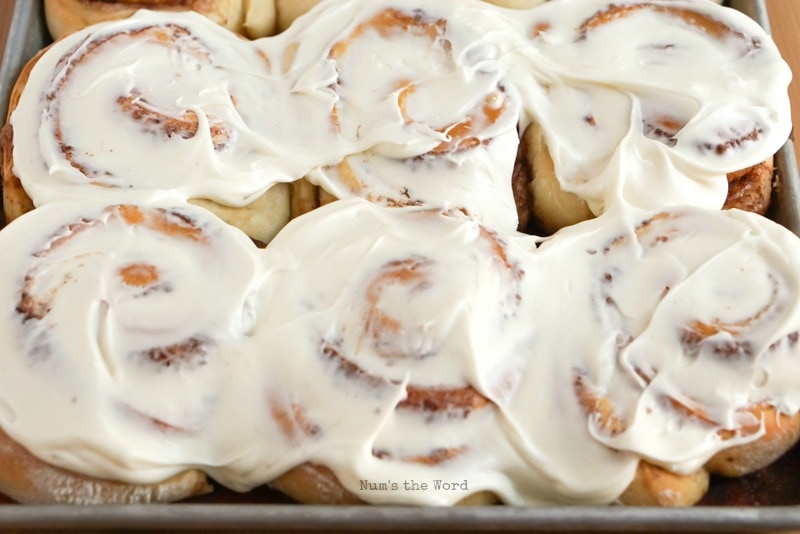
<point x="264" y="510"/>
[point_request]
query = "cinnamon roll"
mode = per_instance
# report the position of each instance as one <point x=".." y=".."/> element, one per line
<point x="120" y="323"/>
<point x="400" y="307"/>
<point x="29" y="480"/>
<point x="249" y="18"/>
<point x="548" y="207"/>
<point x="157" y="125"/>
<point x="606" y="132"/>
<point x="666" y="300"/>
<point x="441" y="126"/>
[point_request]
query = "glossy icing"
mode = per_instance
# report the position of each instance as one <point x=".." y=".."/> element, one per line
<point x="407" y="332"/>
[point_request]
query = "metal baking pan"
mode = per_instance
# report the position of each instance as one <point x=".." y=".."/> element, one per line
<point x="264" y="510"/>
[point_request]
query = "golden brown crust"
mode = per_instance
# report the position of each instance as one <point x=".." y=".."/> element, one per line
<point x="552" y="208"/>
<point x="15" y="200"/>
<point x="751" y="189"/>
<point x="289" y="10"/>
<point x="781" y="433"/>
<point x="250" y="18"/>
<point x="28" y="480"/>
<point x="520" y="183"/>
<point x="261" y="219"/>
<point x="655" y="486"/>
<point x="313" y="484"/>
<point x="306" y="196"/>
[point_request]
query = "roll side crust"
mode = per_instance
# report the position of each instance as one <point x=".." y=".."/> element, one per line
<point x="250" y="18"/>
<point x="28" y="480"/>
<point x="781" y="433"/>
<point x="289" y="10"/>
<point x="655" y="486"/>
<point x="652" y="486"/>
<point x="552" y="208"/>
<point x="16" y="201"/>
<point x="305" y="197"/>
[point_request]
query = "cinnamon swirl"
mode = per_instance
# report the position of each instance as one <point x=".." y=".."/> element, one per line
<point x="437" y="151"/>
<point x="401" y="306"/>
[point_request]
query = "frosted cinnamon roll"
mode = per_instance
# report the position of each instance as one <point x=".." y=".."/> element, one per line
<point x="662" y="121"/>
<point x="666" y="301"/>
<point x="141" y="107"/>
<point x="120" y="330"/>
<point x="408" y="303"/>
<point x="29" y="480"/>
<point x="439" y="122"/>
<point x="250" y="18"/>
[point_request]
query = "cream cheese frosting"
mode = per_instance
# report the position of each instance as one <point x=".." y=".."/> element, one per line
<point x="406" y="334"/>
<point x="394" y="344"/>
<point x="637" y="100"/>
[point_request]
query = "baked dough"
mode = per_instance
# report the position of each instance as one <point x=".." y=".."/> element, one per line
<point x="28" y="480"/>
<point x="553" y="208"/>
<point x="250" y="18"/>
